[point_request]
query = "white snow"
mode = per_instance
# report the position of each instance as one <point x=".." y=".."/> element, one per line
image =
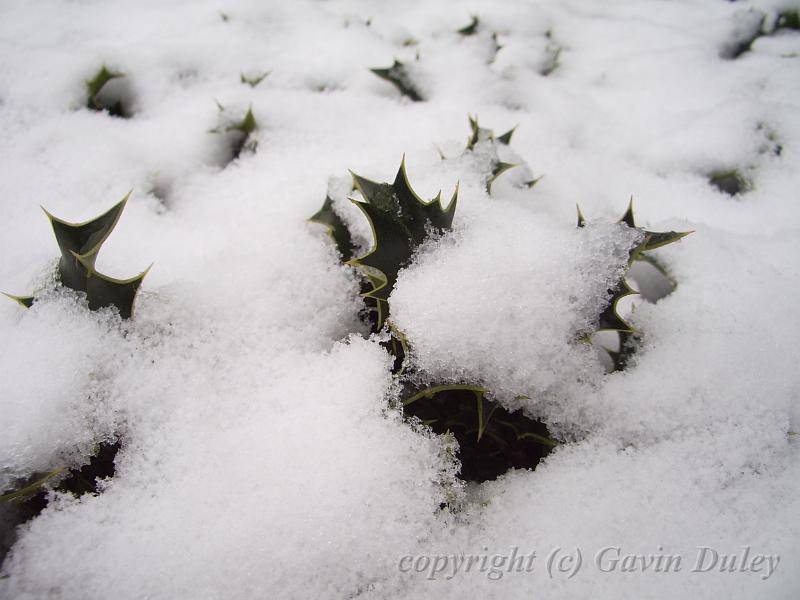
<point x="502" y="307"/>
<point x="262" y="455"/>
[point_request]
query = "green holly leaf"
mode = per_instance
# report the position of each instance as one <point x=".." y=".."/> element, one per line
<point x="397" y="346"/>
<point x="491" y="439"/>
<point x="730" y="182"/>
<point x="26" y="301"/>
<point x="470" y="29"/>
<point x="627" y="218"/>
<point x="102" y="77"/>
<point x="398" y="75"/>
<point x="498" y="169"/>
<point x="480" y="134"/>
<point x="532" y="182"/>
<point x="551" y="62"/>
<point x="96" y="101"/>
<point x="253" y="81"/>
<point x="82" y="240"/>
<point x="32" y="486"/>
<point x="505" y="139"/>
<point x="103" y="291"/>
<point x="336" y="228"/>
<point x="247" y="125"/>
<point x="789" y="19"/>
<point x="482" y="411"/>
<point x="581" y="219"/>
<point x="418" y="394"/>
<point x="656" y="239"/>
<point x="477" y="133"/>
<point x="400" y="221"/>
<point x="628" y="342"/>
<point x="29" y="497"/>
<point x="652" y="239"/>
<point x="79" y="244"/>
<point x="242" y="133"/>
<point x="610" y="320"/>
<point x="496" y="46"/>
<point x="485" y="410"/>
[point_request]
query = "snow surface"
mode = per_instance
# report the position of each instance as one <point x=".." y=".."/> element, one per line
<point x="260" y="455"/>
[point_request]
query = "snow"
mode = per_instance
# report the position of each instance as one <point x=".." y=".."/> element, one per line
<point x="262" y="453"/>
<point x="502" y="308"/>
<point x="57" y="408"/>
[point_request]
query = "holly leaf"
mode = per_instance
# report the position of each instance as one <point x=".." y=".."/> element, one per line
<point x="470" y="29"/>
<point x="247" y="125"/>
<point x="253" y="81"/>
<point x="400" y="221"/>
<point x="610" y="320"/>
<point x="498" y="169"/>
<point x="98" y="102"/>
<point x="491" y="439"/>
<point x="26" y="301"/>
<point x="336" y="228"/>
<point x="399" y="76"/>
<point x="82" y="240"/>
<point x="652" y="239"/>
<point x="79" y="244"/>
<point x="31" y="486"/>
<point x="103" y="291"/>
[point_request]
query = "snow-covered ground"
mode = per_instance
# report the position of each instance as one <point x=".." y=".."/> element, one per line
<point x="260" y="456"/>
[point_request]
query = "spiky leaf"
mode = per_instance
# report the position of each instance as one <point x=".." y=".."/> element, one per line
<point x="103" y="291"/>
<point x="498" y="169"/>
<point x="610" y="320"/>
<point x="477" y="133"/>
<point x="651" y="239"/>
<point x="397" y="346"/>
<point x="491" y="439"/>
<point x="505" y="139"/>
<point x="253" y="81"/>
<point x="95" y="86"/>
<point x="242" y="133"/>
<point x="336" y="228"/>
<point x="628" y="342"/>
<point x="552" y="52"/>
<point x="627" y="218"/>
<point x="581" y="219"/>
<point x="29" y="498"/>
<point x="496" y="46"/>
<point x="26" y="301"/>
<point x="82" y="240"/>
<point x="730" y="182"/>
<point x="789" y="19"/>
<point x="400" y="221"/>
<point x="398" y="75"/>
<point x="657" y="239"/>
<point x="79" y="244"/>
<point x="247" y="125"/>
<point x="470" y="29"/>
<point x="32" y="486"/>
<point x="532" y="182"/>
